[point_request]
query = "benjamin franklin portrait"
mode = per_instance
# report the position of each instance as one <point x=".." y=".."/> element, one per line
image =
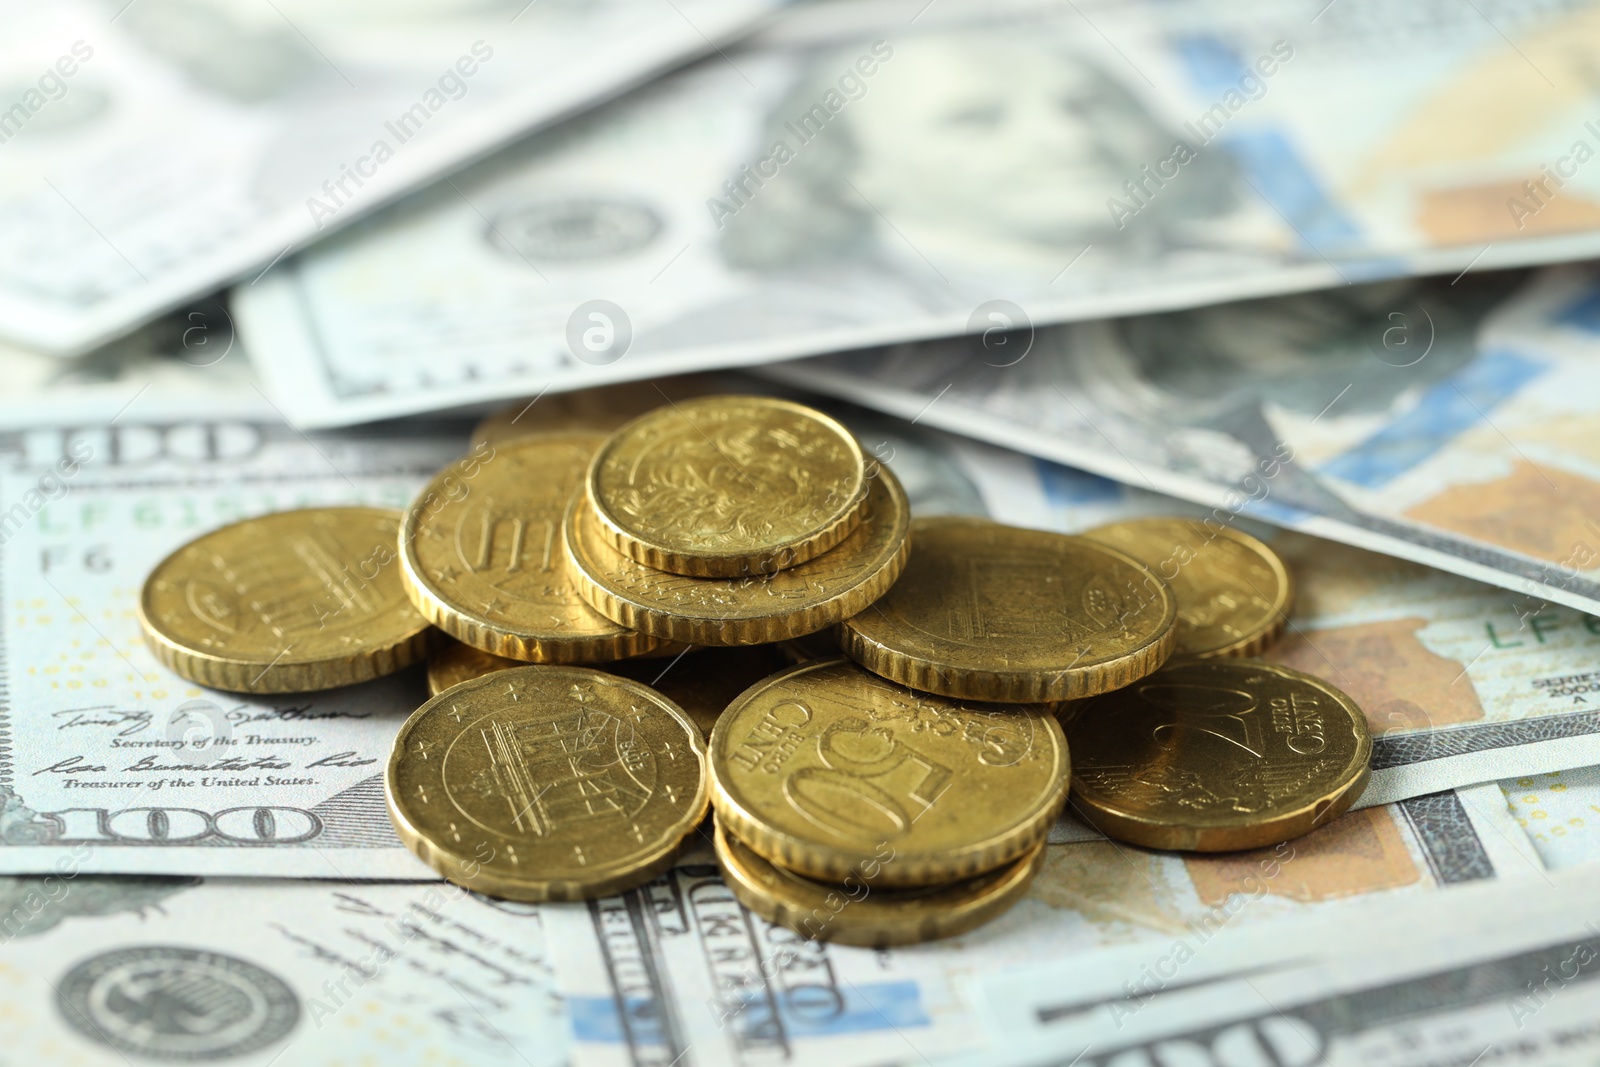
<point x="970" y="144"/>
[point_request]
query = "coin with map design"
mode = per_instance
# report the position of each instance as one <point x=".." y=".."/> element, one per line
<point x="289" y="602"/>
<point x="724" y="486"/>
<point x="1215" y="755"/>
<point x="1234" y="593"/>
<point x="547" y="783"/>
<point x="991" y="612"/>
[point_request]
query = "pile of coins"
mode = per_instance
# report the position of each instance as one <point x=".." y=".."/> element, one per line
<point x="625" y="629"/>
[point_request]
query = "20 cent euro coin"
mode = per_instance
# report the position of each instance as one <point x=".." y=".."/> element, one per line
<point x="547" y="783"/>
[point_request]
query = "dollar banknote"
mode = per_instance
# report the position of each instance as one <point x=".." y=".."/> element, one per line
<point x="151" y="152"/>
<point x="678" y="972"/>
<point x="1559" y="811"/>
<point x="106" y="747"/>
<point x="869" y="173"/>
<point x="180" y="970"/>
<point x="1452" y="982"/>
<point x="194" y="354"/>
<point x="1449" y="422"/>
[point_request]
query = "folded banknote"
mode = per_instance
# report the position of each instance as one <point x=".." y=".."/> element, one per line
<point x="151" y="152"/>
<point x="869" y="173"/>
<point x="1449" y="422"/>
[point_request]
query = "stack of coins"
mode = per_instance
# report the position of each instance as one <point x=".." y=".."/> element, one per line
<point x="857" y="810"/>
<point x="639" y="613"/>
<point x="734" y="520"/>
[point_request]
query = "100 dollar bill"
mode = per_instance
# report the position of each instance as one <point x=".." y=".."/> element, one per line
<point x="109" y="750"/>
<point x="1451" y="423"/>
<point x="864" y="174"/>
<point x="678" y="971"/>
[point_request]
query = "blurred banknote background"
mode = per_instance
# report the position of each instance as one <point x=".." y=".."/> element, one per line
<point x="1323" y="270"/>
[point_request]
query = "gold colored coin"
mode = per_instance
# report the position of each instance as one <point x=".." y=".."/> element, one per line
<point x="453" y="662"/>
<point x="704" y="682"/>
<point x="745" y="611"/>
<point x="724" y="486"/>
<point x="547" y="783"/>
<point x="285" y="603"/>
<point x="1233" y="592"/>
<point x="823" y="767"/>
<point x="857" y="911"/>
<point x="601" y="409"/>
<point x="991" y="612"/>
<point x="1217" y="755"/>
<point x="481" y="555"/>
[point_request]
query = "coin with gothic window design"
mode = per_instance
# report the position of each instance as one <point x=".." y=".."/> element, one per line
<point x="547" y="783"/>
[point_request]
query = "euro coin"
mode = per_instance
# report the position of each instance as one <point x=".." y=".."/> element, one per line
<point x="601" y="409"/>
<point x="857" y="912"/>
<point x="824" y="767"/>
<point x="285" y="603"/>
<point x="1217" y="755"/>
<point x="481" y="555"/>
<point x="991" y="612"/>
<point x="705" y="681"/>
<point x="453" y="662"/>
<point x="753" y="610"/>
<point x="1233" y="592"/>
<point x="724" y="486"/>
<point x="547" y="783"/>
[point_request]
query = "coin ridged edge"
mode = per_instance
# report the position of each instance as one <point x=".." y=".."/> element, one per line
<point x="499" y="640"/>
<point x="1148" y="833"/>
<point x="1261" y="640"/>
<point x="553" y="890"/>
<point x="721" y="565"/>
<point x="331" y="673"/>
<point x="832" y="864"/>
<point x="1031" y="686"/>
<point x="487" y="638"/>
<point x="791" y="915"/>
<point x="1002" y="687"/>
<point x="732" y="632"/>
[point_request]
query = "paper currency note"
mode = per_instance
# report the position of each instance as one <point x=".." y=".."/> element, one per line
<point x="107" y="970"/>
<point x="1454" y="982"/>
<point x="152" y="152"/>
<point x="108" y="747"/>
<point x="1450" y="423"/>
<point x="194" y="354"/>
<point x="871" y="173"/>
<point x="679" y="972"/>
<point x="1560" y="810"/>
<point x="104" y="747"/>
